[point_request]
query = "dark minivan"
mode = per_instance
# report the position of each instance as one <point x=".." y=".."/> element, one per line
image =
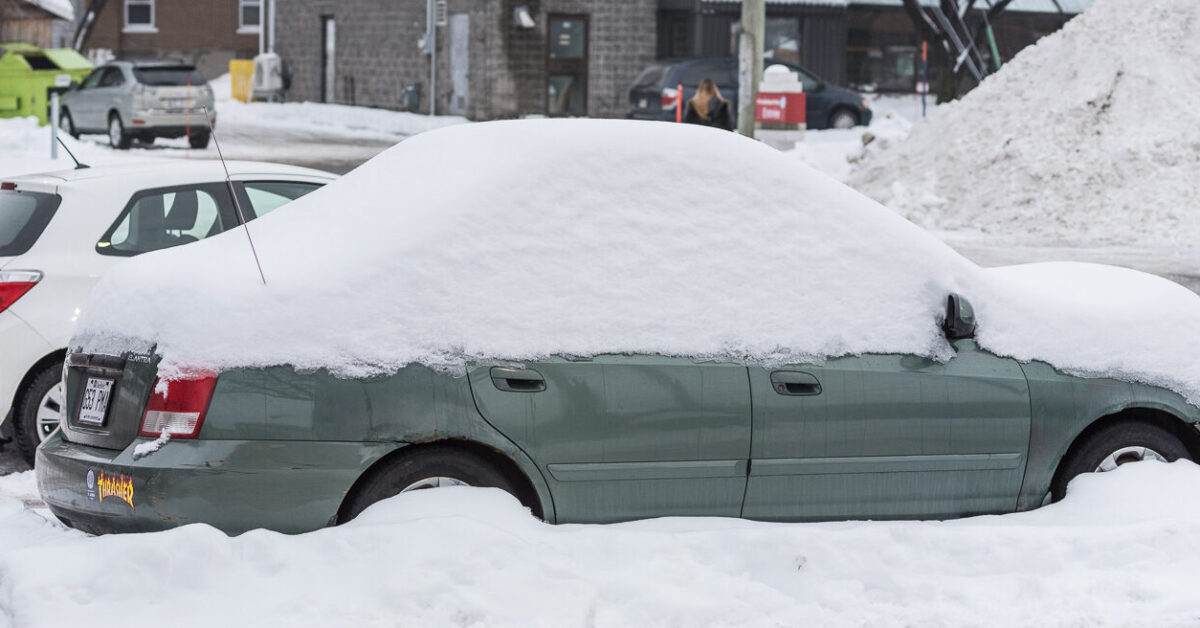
<point x="653" y="95"/>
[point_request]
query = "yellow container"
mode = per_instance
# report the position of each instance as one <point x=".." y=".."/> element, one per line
<point x="241" y="77"/>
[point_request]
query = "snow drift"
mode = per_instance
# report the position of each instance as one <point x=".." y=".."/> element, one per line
<point x="1120" y="550"/>
<point x="1091" y="137"/>
<point x="517" y="240"/>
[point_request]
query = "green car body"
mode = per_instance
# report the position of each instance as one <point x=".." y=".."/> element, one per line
<point x="602" y="439"/>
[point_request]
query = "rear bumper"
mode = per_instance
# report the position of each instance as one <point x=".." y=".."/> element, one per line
<point x="235" y="486"/>
<point x="170" y="124"/>
<point x="22" y="347"/>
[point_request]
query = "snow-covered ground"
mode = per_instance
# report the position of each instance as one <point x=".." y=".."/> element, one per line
<point x="1120" y="550"/>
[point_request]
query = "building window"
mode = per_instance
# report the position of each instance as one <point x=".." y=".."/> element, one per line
<point x="249" y="16"/>
<point x="139" y="16"/>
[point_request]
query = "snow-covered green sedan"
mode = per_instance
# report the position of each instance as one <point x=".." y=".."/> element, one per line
<point x="664" y="321"/>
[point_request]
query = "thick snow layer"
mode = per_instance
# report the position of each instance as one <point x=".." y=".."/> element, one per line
<point x="516" y="240"/>
<point x="1091" y="136"/>
<point x="1120" y="550"/>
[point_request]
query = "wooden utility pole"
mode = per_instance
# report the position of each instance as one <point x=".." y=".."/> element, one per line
<point x="750" y="62"/>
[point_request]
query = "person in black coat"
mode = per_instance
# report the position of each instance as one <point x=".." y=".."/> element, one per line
<point x="708" y="108"/>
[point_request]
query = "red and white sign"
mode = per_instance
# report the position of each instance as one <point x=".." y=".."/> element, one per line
<point x="780" y="108"/>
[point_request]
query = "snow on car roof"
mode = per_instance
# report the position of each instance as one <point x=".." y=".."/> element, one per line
<point x="521" y="239"/>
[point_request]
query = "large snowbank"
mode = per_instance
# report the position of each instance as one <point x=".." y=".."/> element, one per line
<point x="516" y="240"/>
<point x="343" y="121"/>
<point x="25" y="149"/>
<point x="1091" y="136"/>
<point x="1120" y="550"/>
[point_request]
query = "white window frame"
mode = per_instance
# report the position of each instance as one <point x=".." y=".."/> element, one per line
<point x="249" y="29"/>
<point x="138" y="28"/>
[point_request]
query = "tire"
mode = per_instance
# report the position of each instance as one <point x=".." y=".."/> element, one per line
<point x="407" y="472"/>
<point x="198" y="140"/>
<point x="117" y="137"/>
<point x="842" y="119"/>
<point x="1114" y="445"/>
<point x="66" y="124"/>
<point x="36" y="414"/>
<point x="148" y="140"/>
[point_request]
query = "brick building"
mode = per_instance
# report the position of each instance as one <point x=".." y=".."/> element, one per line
<point x="509" y="58"/>
<point x="206" y="33"/>
<point x="495" y="58"/>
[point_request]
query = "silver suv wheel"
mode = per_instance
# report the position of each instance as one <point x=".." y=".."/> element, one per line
<point x="116" y="132"/>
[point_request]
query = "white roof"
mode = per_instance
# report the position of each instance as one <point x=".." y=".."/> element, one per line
<point x="64" y="9"/>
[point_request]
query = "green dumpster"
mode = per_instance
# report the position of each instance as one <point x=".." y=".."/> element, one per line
<point x="28" y="74"/>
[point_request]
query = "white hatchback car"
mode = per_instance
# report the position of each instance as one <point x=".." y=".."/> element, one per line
<point x="60" y="231"/>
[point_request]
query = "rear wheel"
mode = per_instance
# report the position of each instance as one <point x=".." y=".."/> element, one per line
<point x="429" y="467"/>
<point x="38" y="411"/>
<point x="198" y="140"/>
<point x="117" y="137"/>
<point x="1115" y="445"/>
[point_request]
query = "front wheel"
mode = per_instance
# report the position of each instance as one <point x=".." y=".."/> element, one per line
<point x="1115" y="445"/>
<point x="842" y="119"/>
<point x="38" y="412"/>
<point x="431" y="467"/>
<point x="66" y="124"/>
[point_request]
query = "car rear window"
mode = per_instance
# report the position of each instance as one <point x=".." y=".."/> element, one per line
<point x="723" y="74"/>
<point x="23" y="217"/>
<point x="652" y="76"/>
<point x="163" y="77"/>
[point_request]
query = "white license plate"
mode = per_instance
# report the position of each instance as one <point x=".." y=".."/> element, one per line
<point x="177" y="103"/>
<point x="96" y="396"/>
<point x="643" y="103"/>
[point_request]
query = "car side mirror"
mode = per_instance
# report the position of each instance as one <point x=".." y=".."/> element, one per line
<point x="960" y="318"/>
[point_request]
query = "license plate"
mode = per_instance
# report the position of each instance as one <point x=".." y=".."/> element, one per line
<point x="177" y="103"/>
<point x="96" y="396"/>
<point x="643" y="103"/>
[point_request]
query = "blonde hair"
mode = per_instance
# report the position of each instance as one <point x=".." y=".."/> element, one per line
<point x="704" y="96"/>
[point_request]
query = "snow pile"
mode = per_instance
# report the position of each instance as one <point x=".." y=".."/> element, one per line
<point x="1091" y="136"/>
<point x="473" y="557"/>
<point x="25" y="149"/>
<point x="603" y="236"/>
<point x="309" y="117"/>
<point x="835" y="151"/>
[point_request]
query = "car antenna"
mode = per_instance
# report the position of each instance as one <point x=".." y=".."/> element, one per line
<point x="232" y="195"/>
<point x="78" y="166"/>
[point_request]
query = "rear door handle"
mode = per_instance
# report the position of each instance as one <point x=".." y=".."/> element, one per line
<point x="517" y="380"/>
<point x="795" y="383"/>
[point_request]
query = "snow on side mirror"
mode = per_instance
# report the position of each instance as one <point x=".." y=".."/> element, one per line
<point x="960" y="318"/>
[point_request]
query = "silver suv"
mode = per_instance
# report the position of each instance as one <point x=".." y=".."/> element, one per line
<point x="142" y="100"/>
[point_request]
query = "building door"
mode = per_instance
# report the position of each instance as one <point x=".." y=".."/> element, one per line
<point x="328" y="57"/>
<point x="566" y="66"/>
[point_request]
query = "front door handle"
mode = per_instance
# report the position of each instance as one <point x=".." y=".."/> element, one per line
<point x="517" y="380"/>
<point x="795" y="383"/>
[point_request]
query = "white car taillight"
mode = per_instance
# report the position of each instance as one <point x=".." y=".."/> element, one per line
<point x="14" y="284"/>
<point x="669" y="96"/>
<point x="177" y="407"/>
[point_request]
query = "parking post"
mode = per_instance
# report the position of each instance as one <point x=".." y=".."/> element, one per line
<point x="54" y="125"/>
<point x="679" y="102"/>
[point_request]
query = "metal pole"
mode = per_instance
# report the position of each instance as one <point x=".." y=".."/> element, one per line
<point x="754" y="17"/>
<point x="262" y="31"/>
<point x="54" y="114"/>
<point x="924" y="74"/>
<point x="271" y="26"/>
<point x="432" y="58"/>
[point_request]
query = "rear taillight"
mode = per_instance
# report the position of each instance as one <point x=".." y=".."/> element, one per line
<point x="14" y="284"/>
<point x="669" y="96"/>
<point x="177" y="407"/>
